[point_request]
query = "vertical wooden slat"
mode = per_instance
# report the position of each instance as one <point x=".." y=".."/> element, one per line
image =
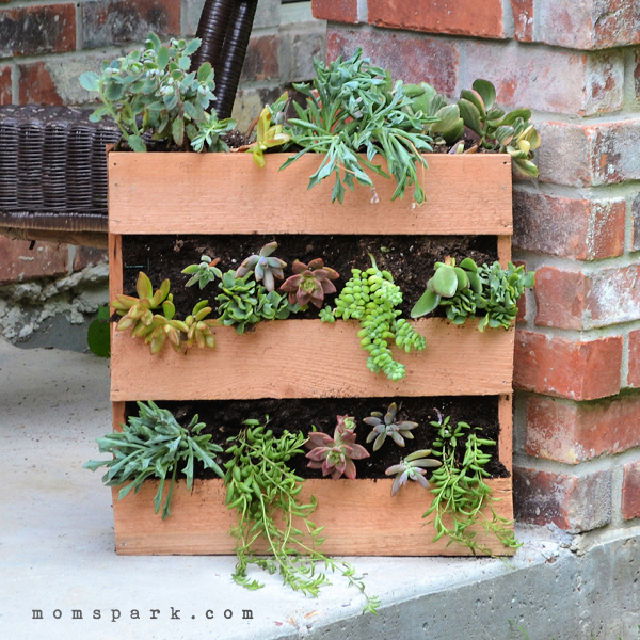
<point x="504" y="250"/>
<point x="505" y="439"/>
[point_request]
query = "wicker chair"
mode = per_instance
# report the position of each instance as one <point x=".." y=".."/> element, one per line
<point x="53" y="165"/>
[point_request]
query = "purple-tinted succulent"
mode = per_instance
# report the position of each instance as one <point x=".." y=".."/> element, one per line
<point x="335" y="455"/>
<point x="387" y="425"/>
<point x="265" y="267"/>
<point x="413" y="467"/>
<point x="309" y="283"/>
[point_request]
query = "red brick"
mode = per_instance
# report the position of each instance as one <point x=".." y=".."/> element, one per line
<point x="336" y="10"/>
<point x="523" y="19"/>
<point x="572" y="432"/>
<point x="464" y="17"/>
<point x="590" y="155"/>
<point x="109" y="22"/>
<point x="557" y="80"/>
<point x="409" y="57"/>
<point x="261" y="60"/>
<point x="574" y="369"/>
<point x="36" y="86"/>
<point x="633" y="377"/>
<point x="631" y="491"/>
<point x="560" y="298"/>
<point x="569" y="227"/>
<point x="588" y="24"/>
<point x="19" y="263"/>
<point x="89" y="257"/>
<point x="6" y="87"/>
<point x="571" y="502"/>
<point x="37" y="29"/>
<point x="573" y="300"/>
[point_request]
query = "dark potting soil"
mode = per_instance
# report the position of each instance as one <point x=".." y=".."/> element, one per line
<point x="410" y="259"/>
<point x="224" y="418"/>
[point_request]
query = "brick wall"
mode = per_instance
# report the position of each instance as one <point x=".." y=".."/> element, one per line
<point x="45" y="46"/>
<point x="577" y="65"/>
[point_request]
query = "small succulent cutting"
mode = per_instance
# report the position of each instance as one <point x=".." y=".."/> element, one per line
<point x="335" y="455"/>
<point x="445" y="282"/>
<point x="309" y="283"/>
<point x="488" y="291"/>
<point x="270" y="129"/>
<point x="504" y="132"/>
<point x="266" y="268"/>
<point x="204" y="273"/>
<point x="412" y="467"/>
<point x="136" y="313"/>
<point x="243" y="302"/>
<point x="199" y="328"/>
<point x="389" y="425"/>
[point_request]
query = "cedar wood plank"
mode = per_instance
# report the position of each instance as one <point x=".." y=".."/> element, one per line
<point x="189" y="193"/>
<point x="312" y="359"/>
<point x="360" y="519"/>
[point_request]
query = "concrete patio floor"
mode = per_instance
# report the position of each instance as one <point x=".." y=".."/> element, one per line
<point x="56" y="553"/>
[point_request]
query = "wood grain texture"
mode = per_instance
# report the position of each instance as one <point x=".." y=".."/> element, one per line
<point x="505" y="437"/>
<point x="189" y="193"/>
<point x="360" y="519"/>
<point x="312" y="359"/>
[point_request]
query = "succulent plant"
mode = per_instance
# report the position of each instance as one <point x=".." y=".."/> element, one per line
<point x="152" y="91"/>
<point x="309" y="283"/>
<point x="264" y="266"/>
<point x="388" y="425"/>
<point x="244" y="302"/>
<point x="445" y="282"/>
<point x="270" y="129"/>
<point x="500" y="293"/>
<point x="164" y="329"/>
<point x="449" y="126"/>
<point x="198" y="328"/>
<point x="204" y="273"/>
<point x="412" y="467"/>
<point x="335" y="455"/>
<point x="505" y="132"/>
<point x="489" y="289"/>
<point x="136" y="313"/>
<point x="371" y="297"/>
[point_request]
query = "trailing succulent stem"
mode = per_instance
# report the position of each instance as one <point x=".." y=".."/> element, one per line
<point x="264" y="492"/>
<point x="372" y="298"/>
<point x="335" y="455"/>
<point x="151" y="94"/>
<point x="387" y="424"/>
<point x="460" y="491"/>
<point x="153" y="445"/>
<point x="468" y="289"/>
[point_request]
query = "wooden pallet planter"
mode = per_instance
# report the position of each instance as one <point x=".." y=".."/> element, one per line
<point x="227" y="194"/>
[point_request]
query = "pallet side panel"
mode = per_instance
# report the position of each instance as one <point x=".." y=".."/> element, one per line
<point x="312" y="359"/>
<point x="188" y="193"/>
<point x="360" y="519"/>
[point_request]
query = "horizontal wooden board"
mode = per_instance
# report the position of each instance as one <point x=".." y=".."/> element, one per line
<point x="312" y="359"/>
<point x="188" y="193"/>
<point x="360" y="519"/>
